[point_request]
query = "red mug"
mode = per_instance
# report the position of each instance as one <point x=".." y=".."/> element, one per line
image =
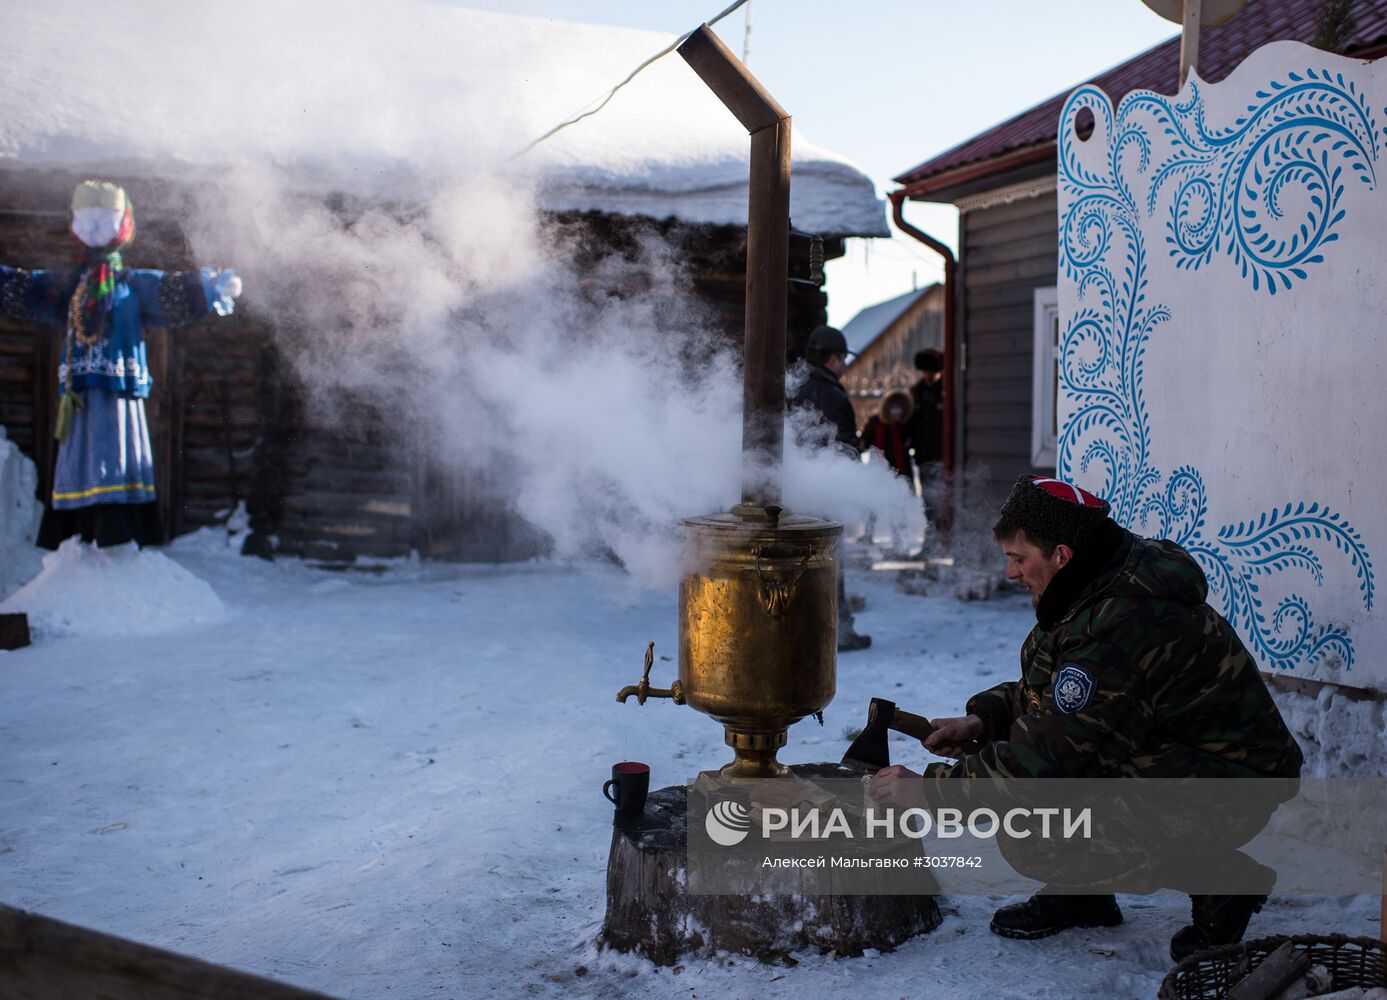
<point x="631" y="779"/>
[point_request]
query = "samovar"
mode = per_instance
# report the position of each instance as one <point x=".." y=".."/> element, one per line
<point x="758" y="617"/>
<point x="758" y="598"/>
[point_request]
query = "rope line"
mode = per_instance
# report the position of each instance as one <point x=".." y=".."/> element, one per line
<point x="631" y="76"/>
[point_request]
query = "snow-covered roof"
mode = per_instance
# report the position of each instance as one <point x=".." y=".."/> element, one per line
<point x="375" y="96"/>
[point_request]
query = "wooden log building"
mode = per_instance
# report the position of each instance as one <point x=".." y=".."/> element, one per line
<point x="885" y="338"/>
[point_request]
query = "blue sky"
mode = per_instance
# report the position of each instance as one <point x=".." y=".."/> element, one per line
<point x="890" y="83"/>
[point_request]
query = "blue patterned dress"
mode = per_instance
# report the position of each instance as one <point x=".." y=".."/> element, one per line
<point x="103" y="484"/>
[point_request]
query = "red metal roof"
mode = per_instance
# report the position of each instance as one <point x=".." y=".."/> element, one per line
<point x="1221" y="49"/>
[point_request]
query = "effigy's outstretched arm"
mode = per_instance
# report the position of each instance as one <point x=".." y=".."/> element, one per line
<point x="32" y="296"/>
<point x="177" y="298"/>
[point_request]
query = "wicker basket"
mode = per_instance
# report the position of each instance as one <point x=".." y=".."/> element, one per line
<point x="14" y="631"/>
<point x="1210" y="974"/>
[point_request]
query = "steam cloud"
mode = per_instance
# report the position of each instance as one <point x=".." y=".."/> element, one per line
<point x="464" y="319"/>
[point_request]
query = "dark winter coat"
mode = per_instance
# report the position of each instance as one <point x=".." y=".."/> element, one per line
<point x="1129" y="672"/>
<point x="892" y="438"/>
<point x="927" y="422"/>
<point x="821" y="391"/>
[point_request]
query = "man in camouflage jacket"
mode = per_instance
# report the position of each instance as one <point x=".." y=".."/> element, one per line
<point x="1128" y="673"/>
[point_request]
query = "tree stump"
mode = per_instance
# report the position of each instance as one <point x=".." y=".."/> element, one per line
<point x="650" y="911"/>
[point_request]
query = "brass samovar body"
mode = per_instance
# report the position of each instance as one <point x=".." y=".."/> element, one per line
<point x="758" y="617"/>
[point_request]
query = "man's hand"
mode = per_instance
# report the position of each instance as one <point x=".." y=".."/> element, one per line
<point x="898" y="786"/>
<point x="949" y="739"/>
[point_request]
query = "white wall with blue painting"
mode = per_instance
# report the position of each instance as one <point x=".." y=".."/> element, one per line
<point x="1223" y="365"/>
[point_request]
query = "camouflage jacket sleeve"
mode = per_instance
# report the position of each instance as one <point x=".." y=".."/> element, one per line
<point x="997" y="708"/>
<point x="1092" y="716"/>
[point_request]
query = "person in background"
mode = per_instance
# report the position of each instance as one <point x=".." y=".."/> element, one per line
<point x="103" y="483"/>
<point x="888" y="431"/>
<point x="826" y="353"/>
<point x="888" y="434"/>
<point x="927" y="429"/>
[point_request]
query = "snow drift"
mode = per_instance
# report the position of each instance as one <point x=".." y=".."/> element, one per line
<point x="118" y="591"/>
<point x="19" y="517"/>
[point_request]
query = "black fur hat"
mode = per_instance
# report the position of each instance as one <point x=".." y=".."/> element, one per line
<point x="929" y="360"/>
<point x="1052" y="509"/>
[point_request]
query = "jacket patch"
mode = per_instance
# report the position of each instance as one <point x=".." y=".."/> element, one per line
<point x="1073" y="688"/>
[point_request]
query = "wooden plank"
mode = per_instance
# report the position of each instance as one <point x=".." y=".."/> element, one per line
<point x="1022" y="208"/>
<point x="1036" y="272"/>
<point x="17" y="344"/>
<point x="999" y="442"/>
<point x="1273" y="974"/>
<point x="1005" y="432"/>
<point x="1007" y="409"/>
<point x="352" y="506"/>
<point x="211" y="456"/>
<point x="392" y="522"/>
<point x="213" y="417"/>
<point x="16" y="368"/>
<point x="1030" y="216"/>
<point x="23" y="437"/>
<point x="1001" y="386"/>
<point x="316" y="544"/>
<point x="334" y="479"/>
<point x="1012" y="251"/>
<point x="1039" y="226"/>
<point x="343" y="453"/>
<point x="989" y="397"/>
<point x="1001" y="366"/>
<point x="1010" y="320"/>
<point x="235" y="439"/>
<point x="208" y="393"/>
<point x="199" y="513"/>
<point x="1001" y="297"/>
<point x="986" y="345"/>
<point x="1000" y="418"/>
<point x="17" y="409"/>
<point x="42" y="959"/>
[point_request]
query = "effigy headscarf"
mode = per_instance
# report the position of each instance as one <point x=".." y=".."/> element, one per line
<point x="93" y="297"/>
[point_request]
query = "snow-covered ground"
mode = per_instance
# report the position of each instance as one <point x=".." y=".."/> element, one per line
<point x="389" y="785"/>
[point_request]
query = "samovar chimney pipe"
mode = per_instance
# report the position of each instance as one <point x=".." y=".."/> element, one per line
<point x="767" y="261"/>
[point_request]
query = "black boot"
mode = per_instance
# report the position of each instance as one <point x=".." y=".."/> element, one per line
<point x="1045" y="914"/>
<point x="1215" y="920"/>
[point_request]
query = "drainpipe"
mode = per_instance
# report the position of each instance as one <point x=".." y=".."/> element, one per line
<point x="950" y="351"/>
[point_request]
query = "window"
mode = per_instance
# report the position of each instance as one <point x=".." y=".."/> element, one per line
<point x="1045" y="379"/>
